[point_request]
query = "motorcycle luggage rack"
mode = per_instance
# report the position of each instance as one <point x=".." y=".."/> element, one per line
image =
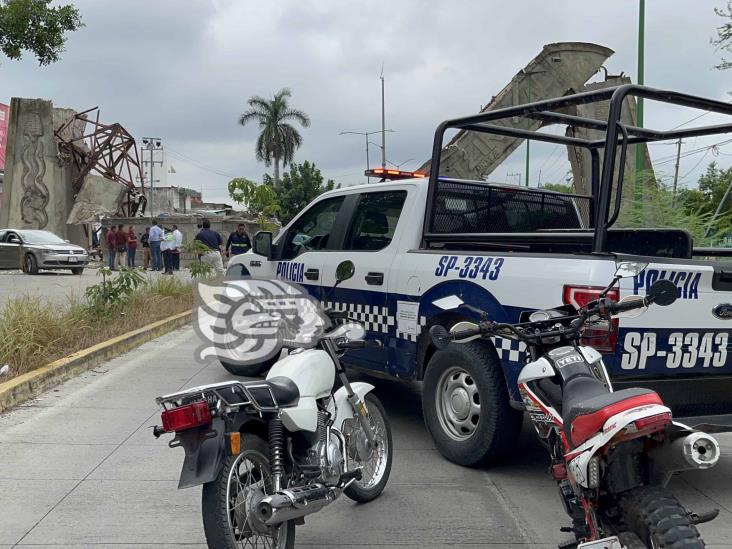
<point x="234" y="394"/>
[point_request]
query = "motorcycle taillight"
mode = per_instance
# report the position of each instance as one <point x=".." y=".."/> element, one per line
<point x="604" y="337"/>
<point x="186" y="417"/>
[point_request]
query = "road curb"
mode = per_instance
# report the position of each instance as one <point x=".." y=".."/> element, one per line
<point x="27" y="386"/>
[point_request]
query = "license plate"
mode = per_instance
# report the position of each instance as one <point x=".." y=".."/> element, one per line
<point x="607" y="543"/>
<point x="73" y="259"/>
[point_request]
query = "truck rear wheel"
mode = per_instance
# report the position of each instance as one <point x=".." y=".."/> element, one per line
<point x="466" y="405"/>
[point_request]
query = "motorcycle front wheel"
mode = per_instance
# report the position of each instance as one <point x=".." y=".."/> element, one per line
<point x="229" y="522"/>
<point x="659" y="520"/>
<point x="375" y="462"/>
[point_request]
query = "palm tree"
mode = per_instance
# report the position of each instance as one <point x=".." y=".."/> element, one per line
<point x="278" y="139"/>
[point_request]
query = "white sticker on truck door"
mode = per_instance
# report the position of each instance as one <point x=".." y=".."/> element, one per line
<point x="407" y="314"/>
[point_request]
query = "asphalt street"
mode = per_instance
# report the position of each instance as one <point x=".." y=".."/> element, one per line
<point x="79" y="467"/>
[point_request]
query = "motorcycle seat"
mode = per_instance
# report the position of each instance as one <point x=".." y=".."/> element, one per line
<point x="285" y="392"/>
<point x="588" y="405"/>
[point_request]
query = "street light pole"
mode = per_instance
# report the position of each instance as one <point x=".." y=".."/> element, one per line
<point x="639" y="151"/>
<point x="152" y="144"/>
<point x="366" y="135"/>
<point x="383" y="124"/>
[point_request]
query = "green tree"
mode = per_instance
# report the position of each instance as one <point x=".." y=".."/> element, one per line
<point x="278" y="139"/>
<point x="723" y="41"/>
<point x="260" y="199"/>
<point x="559" y="187"/>
<point x="299" y="187"/>
<point x="32" y="25"/>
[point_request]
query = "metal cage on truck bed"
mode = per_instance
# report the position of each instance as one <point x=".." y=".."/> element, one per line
<point x="595" y="209"/>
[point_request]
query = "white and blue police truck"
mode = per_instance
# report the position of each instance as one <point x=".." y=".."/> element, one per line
<point x="423" y="246"/>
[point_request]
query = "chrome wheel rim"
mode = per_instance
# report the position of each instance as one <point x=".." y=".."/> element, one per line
<point x="374" y="466"/>
<point x="248" y="475"/>
<point x="458" y="403"/>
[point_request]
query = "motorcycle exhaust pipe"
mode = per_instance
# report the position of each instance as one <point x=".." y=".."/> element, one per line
<point x="699" y="450"/>
<point x="694" y="451"/>
<point x="293" y="503"/>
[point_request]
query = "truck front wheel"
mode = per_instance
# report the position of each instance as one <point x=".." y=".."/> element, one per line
<point x="466" y="405"/>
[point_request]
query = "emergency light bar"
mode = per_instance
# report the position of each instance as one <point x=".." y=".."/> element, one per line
<point x="392" y="175"/>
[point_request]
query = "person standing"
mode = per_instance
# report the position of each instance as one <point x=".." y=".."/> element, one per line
<point x="238" y="242"/>
<point x="213" y="242"/>
<point x="145" y="240"/>
<point x="131" y="247"/>
<point x="156" y="237"/>
<point x="166" y="247"/>
<point x="178" y="246"/>
<point x="121" y="246"/>
<point x="112" y="246"/>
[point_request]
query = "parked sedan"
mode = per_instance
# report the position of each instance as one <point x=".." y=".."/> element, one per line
<point x="32" y="250"/>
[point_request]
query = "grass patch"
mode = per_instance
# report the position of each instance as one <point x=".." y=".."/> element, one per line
<point x="34" y="332"/>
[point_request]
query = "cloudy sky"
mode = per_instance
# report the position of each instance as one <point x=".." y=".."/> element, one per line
<point x="183" y="70"/>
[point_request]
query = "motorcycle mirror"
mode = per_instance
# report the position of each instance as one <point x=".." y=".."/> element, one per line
<point x="439" y="336"/>
<point x="663" y="292"/>
<point x="344" y="271"/>
<point x="626" y="269"/>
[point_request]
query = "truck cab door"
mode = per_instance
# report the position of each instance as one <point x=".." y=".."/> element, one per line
<point x="370" y="223"/>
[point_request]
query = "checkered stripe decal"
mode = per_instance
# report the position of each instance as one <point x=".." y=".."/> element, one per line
<point x="508" y="349"/>
<point x="413" y="337"/>
<point x="372" y="317"/>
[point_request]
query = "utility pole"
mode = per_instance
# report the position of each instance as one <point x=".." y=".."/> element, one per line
<point x="366" y="136"/>
<point x="152" y="144"/>
<point x="383" y="123"/>
<point x="676" y="171"/>
<point x="639" y="151"/>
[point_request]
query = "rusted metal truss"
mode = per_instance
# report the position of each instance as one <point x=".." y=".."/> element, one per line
<point x="108" y="150"/>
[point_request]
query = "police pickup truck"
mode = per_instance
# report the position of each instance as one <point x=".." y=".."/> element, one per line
<point x="422" y="247"/>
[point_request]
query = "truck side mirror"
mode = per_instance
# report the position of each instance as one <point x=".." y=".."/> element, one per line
<point x="263" y="244"/>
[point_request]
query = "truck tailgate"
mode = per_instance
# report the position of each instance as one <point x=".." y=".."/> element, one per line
<point x="681" y="350"/>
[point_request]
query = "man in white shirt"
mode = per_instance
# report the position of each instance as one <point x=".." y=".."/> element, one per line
<point x="166" y="247"/>
<point x="178" y="247"/>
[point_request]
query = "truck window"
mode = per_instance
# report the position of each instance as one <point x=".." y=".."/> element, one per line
<point x="312" y="230"/>
<point x="375" y="221"/>
<point x="463" y="207"/>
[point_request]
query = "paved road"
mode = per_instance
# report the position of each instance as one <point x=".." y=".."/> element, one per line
<point x="80" y="468"/>
<point x="55" y="286"/>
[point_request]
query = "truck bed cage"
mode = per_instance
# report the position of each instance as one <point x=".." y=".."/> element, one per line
<point x="616" y="134"/>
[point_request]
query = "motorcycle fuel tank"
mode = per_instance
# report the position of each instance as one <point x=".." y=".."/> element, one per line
<point x="312" y="370"/>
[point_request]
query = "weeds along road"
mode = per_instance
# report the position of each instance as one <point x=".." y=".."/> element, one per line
<point x="79" y="467"/>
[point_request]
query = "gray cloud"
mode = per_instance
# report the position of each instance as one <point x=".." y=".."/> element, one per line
<point x="183" y="70"/>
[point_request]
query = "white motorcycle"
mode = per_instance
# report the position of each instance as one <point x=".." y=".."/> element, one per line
<point x="270" y="452"/>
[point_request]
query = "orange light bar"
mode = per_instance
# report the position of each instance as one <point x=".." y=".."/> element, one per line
<point x="392" y="175"/>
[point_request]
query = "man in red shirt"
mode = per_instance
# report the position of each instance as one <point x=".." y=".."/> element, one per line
<point x="121" y="246"/>
<point x="112" y="246"/>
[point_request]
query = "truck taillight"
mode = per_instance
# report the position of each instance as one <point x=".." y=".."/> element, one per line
<point x="186" y="417"/>
<point x="599" y="338"/>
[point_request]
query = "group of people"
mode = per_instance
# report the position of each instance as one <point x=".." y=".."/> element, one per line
<point x="237" y="243"/>
<point x="162" y="247"/>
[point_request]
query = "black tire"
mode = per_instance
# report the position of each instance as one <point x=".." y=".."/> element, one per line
<point x="30" y="265"/>
<point x="479" y="441"/>
<point x="659" y="520"/>
<point x="358" y="491"/>
<point x="250" y="370"/>
<point x="214" y="504"/>
<point x="77" y="270"/>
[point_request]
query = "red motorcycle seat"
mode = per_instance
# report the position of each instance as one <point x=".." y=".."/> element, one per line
<point x="584" y="418"/>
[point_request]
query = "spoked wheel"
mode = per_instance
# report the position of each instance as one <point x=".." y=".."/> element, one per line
<point x="375" y="462"/>
<point x="229" y="519"/>
<point x="658" y="520"/>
